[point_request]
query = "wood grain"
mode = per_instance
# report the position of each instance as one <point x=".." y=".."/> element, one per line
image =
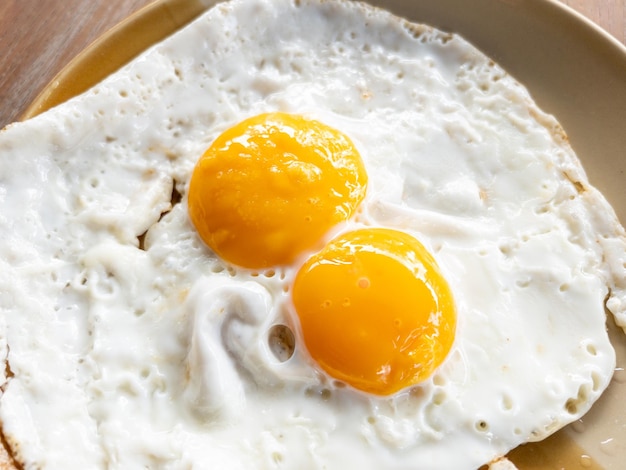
<point x="609" y="14"/>
<point x="36" y="44"/>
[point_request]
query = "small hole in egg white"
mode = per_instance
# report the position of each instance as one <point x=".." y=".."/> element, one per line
<point x="176" y="195"/>
<point x="439" y="380"/>
<point x="269" y="273"/>
<point x="596" y="381"/>
<point x="591" y="349"/>
<point x="439" y="398"/>
<point x="281" y="342"/>
<point x="413" y="30"/>
<point x="141" y="240"/>
<point x="371" y="420"/>
<point x="571" y="406"/>
<point x="564" y="287"/>
<point x="277" y="457"/>
<point x="217" y="268"/>
<point x="482" y="426"/>
<point x="506" y="403"/>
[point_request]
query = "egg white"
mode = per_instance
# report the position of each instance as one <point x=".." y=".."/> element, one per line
<point x="157" y="354"/>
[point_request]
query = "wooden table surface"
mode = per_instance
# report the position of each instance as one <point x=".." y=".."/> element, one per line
<point x="36" y="44"/>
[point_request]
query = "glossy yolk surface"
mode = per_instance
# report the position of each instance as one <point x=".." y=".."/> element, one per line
<point x="374" y="310"/>
<point x="270" y="187"/>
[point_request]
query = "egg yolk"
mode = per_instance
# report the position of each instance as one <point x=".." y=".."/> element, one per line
<point x="270" y="187"/>
<point x="374" y="310"/>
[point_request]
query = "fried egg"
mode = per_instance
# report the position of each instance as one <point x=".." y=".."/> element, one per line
<point x="142" y="330"/>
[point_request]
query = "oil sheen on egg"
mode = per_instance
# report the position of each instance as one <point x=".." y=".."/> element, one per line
<point x="131" y="344"/>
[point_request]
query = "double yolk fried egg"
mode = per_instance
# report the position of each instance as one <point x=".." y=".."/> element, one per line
<point x="300" y="235"/>
<point x="373" y="307"/>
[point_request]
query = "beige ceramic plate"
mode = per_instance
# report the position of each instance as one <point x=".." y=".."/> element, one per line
<point x="573" y="69"/>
